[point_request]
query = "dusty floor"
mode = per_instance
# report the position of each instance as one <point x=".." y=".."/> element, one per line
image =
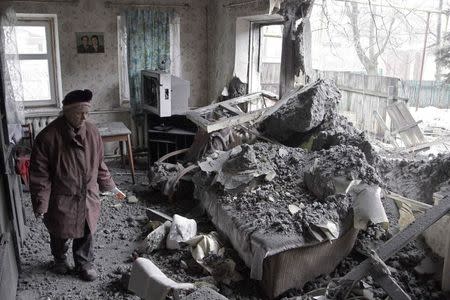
<point x="119" y="232"/>
<point x="116" y="236"/>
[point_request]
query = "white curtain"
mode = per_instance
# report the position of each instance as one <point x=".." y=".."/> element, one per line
<point x="11" y="69"/>
<point x="175" y="53"/>
<point x="124" y="85"/>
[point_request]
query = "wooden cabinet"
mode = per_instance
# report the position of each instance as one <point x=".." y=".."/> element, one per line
<point x="165" y="135"/>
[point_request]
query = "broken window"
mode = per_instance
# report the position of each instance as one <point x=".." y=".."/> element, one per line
<point x="271" y="39"/>
<point x="265" y="58"/>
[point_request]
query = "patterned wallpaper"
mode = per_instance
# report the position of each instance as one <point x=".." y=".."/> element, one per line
<point x="222" y="39"/>
<point x="99" y="71"/>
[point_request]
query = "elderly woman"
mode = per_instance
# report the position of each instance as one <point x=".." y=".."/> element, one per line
<point x="66" y="172"/>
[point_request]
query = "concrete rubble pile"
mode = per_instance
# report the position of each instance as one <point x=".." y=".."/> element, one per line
<point x="317" y="181"/>
<point x="308" y="117"/>
<point x="275" y="183"/>
<point x="272" y="187"/>
<point x="418" y="179"/>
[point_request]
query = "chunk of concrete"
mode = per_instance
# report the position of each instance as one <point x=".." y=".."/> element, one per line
<point x="155" y="239"/>
<point x="181" y="230"/>
<point x="302" y="110"/>
<point x="132" y="199"/>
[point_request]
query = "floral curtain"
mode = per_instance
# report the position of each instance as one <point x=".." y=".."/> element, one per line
<point x="148" y="46"/>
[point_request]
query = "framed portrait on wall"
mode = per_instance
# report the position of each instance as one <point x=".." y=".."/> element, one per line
<point x="90" y="42"/>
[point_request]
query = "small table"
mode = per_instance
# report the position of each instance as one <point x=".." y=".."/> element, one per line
<point x="118" y="132"/>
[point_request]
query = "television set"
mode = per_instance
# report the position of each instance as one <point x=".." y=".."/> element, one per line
<point x="164" y="94"/>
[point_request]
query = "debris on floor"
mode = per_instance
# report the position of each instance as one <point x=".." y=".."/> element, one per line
<point x="268" y="198"/>
<point x="205" y="293"/>
<point x="150" y="283"/>
<point x="286" y="216"/>
<point x="181" y="230"/>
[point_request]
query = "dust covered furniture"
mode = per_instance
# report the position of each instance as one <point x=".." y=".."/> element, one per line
<point x="164" y="141"/>
<point x="237" y="111"/>
<point x="260" y="197"/>
<point x="278" y="261"/>
<point x="118" y="132"/>
<point x="168" y="134"/>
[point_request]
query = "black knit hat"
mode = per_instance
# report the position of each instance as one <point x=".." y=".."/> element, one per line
<point x="77" y="96"/>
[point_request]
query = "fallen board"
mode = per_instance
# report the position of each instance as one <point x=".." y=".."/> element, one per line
<point x="405" y="125"/>
<point x="232" y="112"/>
<point x="396" y="243"/>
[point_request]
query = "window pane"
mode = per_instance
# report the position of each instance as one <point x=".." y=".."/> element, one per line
<point x="31" y="40"/>
<point x="270" y="47"/>
<point x="35" y="79"/>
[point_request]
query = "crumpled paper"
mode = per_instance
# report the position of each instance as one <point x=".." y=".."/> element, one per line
<point x="367" y="206"/>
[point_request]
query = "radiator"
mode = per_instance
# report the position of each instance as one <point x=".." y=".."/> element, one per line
<point x="39" y="123"/>
<point x="138" y="135"/>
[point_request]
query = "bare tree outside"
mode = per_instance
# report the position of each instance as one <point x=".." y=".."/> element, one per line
<point x="443" y="56"/>
<point x="380" y="33"/>
<point x="443" y="48"/>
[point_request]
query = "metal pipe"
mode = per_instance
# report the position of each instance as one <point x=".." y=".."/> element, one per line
<point x="229" y="5"/>
<point x="423" y="59"/>
<point x="44" y="1"/>
<point x="109" y="4"/>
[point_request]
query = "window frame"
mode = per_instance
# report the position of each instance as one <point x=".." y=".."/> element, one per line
<point x="50" y="22"/>
<point x="255" y="40"/>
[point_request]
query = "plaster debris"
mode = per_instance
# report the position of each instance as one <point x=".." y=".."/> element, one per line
<point x="327" y="166"/>
<point x="181" y="230"/>
<point x="368" y="207"/>
<point x="337" y="130"/>
<point x="302" y="200"/>
<point x="156" y="239"/>
<point x="302" y="111"/>
<point x="205" y="293"/>
<point x="237" y="168"/>
<point x="132" y="199"/>
<point x="308" y="117"/>
<point x="419" y="178"/>
<point x="236" y="88"/>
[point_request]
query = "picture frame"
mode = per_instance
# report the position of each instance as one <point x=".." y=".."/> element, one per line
<point x="90" y="42"/>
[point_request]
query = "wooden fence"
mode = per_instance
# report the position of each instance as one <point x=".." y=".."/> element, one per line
<point x="362" y="95"/>
<point x="432" y="93"/>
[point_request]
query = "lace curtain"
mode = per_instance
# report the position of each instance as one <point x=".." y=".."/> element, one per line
<point x="124" y="86"/>
<point x="175" y="52"/>
<point x="149" y="35"/>
<point x="12" y="79"/>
